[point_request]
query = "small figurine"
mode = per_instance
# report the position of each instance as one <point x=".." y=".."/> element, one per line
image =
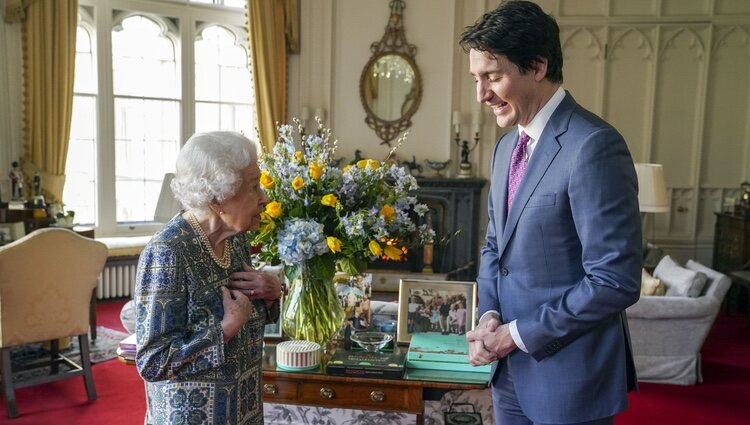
<point x="16" y="179"/>
<point x="357" y="157"/>
<point x="414" y="168"/>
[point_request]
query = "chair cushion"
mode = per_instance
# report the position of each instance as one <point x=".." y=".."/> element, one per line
<point x="680" y="281"/>
<point x="651" y="285"/>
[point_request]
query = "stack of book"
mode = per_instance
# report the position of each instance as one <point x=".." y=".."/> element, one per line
<point x="434" y="351"/>
<point x="367" y="364"/>
<point x="126" y="348"/>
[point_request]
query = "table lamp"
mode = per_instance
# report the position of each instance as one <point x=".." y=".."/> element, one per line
<point x="166" y="206"/>
<point x="652" y="189"/>
<point x="652" y="194"/>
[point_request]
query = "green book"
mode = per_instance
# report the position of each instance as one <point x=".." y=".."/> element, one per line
<point x="366" y="364"/>
<point x="441" y="352"/>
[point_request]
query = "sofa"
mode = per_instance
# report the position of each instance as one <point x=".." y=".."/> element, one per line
<point x="667" y="332"/>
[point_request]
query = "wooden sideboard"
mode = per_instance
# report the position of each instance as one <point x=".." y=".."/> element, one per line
<point x="316" y="388"/>
<point x="731" y="254"/>
<point x="731" y="242"/>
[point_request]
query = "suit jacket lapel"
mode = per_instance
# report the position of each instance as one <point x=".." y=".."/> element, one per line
<point x="546" y="149"/>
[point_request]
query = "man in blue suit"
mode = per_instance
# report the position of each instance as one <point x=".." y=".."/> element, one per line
<point x="562" y="259"/>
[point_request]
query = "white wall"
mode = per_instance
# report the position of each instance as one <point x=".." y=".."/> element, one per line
<point x="339" y="43"/>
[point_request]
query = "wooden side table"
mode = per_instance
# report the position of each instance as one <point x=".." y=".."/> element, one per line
<point x="316" y="388"/>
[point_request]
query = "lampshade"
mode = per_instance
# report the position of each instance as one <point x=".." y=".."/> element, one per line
<point x="652" y="189"/>
<point x="166" y="206"/>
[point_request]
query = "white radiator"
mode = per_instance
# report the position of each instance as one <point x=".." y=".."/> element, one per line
<point x="117" y="280"/>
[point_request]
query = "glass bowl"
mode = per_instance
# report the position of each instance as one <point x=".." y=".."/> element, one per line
<point x="371" y="341"/>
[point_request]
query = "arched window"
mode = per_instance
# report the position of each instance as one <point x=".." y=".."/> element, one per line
<point x="223" y="86"/>
<point x="80" y="168"/>
<point x="146" y="86"/>
<point x="149" y="75"/>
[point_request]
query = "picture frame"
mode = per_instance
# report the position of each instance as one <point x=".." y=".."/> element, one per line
<point x="425" y="314"/>
<point x="274" y="330"/>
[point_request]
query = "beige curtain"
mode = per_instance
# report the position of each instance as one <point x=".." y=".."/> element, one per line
<point x="49" y="51"/>
<point x="267" y="31"/>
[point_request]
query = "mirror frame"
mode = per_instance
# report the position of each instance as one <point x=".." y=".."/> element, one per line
<point x="393" y="42"/>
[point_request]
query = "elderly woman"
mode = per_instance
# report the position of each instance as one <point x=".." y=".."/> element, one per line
<point x="200" y="308"/>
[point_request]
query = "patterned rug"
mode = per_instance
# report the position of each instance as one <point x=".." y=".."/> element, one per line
<point x="102" y="349"/>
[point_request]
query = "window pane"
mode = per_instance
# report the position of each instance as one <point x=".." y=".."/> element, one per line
<point x="79" y="194"/>
<point x="223" y="86"/>
<point x="146" y="146"/>
<point x="85" y="81"/>
<point x="207" y="117"/>
<point x="144" y="60"/>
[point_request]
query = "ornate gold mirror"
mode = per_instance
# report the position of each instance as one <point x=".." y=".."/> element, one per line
<point x="390" y="86"/>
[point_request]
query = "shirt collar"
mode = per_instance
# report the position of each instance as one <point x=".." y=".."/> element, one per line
<point x="537" y="124"/>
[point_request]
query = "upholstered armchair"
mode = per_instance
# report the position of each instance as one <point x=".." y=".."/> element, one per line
<point x="46" y="282"/>
<point x="667" y="332"/>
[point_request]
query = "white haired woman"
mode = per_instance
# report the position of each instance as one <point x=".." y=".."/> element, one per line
<point x="200" y="308"/>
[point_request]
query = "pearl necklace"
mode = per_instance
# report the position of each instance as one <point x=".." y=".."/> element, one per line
<point x="222" y="262"/>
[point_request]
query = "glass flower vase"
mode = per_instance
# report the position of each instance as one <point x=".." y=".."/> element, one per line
<point x="312" y="311"/>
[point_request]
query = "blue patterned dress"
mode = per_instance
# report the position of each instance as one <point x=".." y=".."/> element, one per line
<point x="192" y="376"/>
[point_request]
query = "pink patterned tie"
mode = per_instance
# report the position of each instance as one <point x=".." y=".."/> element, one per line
<point x="517" y="167"/>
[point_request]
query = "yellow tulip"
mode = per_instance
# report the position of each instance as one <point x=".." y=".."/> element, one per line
<point x="266" y="180"/>
<point x="298" y="183"/>
<point x="273" y="209"/>
<point x="329" y="200"/>
<point x="375" y="248"/>
<point x="298" y="156"/>
<point x="333" y="244"/>
<point x="372" y="163"/>
<point x="316" y="171"/>
<point x="388" y="212"/>
<point x="393" y="253"/>
<point x="346" y="168"/>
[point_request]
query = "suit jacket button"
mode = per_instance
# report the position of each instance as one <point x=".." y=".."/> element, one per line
<point x="504" y="271"/>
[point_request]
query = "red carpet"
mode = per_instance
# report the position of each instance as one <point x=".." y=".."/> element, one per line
<point x="724" y="397"/>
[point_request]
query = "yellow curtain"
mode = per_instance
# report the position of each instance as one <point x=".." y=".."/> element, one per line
<point x="266" y="29"/>
<point x="49" y="51"/>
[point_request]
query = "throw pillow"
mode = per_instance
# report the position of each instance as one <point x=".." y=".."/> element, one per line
<point x="680" y="282"/>
<point x="651" y="285"/>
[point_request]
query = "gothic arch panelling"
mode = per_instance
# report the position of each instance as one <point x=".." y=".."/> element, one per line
<point x="677" y="112"/>
<point x="726" y="141"/>
<point x="629" y="86"/>
<point x="583" y="57"/>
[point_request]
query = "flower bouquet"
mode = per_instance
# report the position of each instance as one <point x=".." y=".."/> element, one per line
<point x="321" y="219"/>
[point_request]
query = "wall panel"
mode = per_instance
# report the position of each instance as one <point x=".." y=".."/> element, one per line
<point x="725" y="137"/>
<point x="583" y="64"/>
<point x="628" y="83"/>
<point x="682" y="59"/>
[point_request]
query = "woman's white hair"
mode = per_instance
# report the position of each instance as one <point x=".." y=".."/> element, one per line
<point x="209" y="167"/>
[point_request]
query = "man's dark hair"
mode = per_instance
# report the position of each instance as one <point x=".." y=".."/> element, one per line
<point x="520" y="31"/>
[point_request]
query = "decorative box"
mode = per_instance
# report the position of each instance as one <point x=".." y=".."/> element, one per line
<point x="297" y="355"/>
<point x="366" y="364"/>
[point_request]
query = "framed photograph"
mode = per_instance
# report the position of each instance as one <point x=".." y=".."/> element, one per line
<point x="273" y="330"/>
<point x="435" y="306"/>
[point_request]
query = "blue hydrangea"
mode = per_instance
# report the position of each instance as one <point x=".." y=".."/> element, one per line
<point x="300" y="240"/>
